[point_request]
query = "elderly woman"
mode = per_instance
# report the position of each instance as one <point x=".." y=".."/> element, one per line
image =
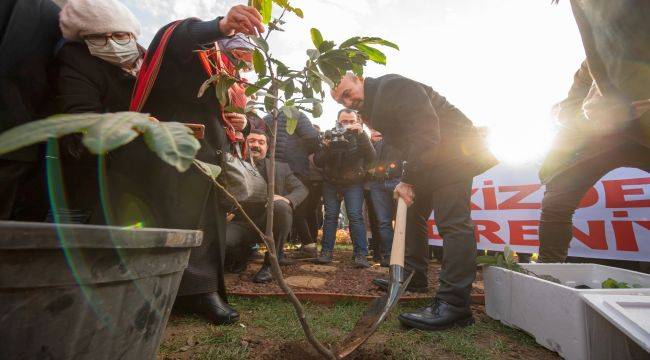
<point x="99" y="65"/>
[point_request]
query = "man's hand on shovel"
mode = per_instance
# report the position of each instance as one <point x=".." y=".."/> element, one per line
<point x="406" y="192"/>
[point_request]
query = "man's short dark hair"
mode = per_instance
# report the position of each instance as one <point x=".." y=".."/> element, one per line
<point x="347" y="111"/>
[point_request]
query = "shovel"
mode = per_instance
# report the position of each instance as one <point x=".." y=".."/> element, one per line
<point x="381" y="307"/>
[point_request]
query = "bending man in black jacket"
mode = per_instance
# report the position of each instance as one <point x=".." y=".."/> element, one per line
<point x="443" y="152"/>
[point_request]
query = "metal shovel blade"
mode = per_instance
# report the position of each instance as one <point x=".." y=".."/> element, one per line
<point x="397" y="282"/>
<point x="376" y="312"/>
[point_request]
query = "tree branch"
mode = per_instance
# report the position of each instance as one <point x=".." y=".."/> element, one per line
<point x="270" y="245"/>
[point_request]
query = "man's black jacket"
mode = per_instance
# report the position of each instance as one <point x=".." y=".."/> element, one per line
<point x="439" y="143"/>
<point x="347" y="167"/>
<point x="286" y="183"/>
<point x="388" y="162"/>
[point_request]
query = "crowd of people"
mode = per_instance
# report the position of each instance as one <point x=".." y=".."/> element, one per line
<point x="85" y="58"/>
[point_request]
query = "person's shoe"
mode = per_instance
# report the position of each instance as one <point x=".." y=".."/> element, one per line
<point x="385" y="261"/>
<point x="437" y="316"/>
<point x="211" y="307"/>
<point x="361" y="262"/>
<point x="308" y="251"/>
<point x="325" y="257"/>
<point x="412" y="287"/>
<point x="263" y="275"/>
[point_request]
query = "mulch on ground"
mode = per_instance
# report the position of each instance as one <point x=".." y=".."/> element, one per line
<point x="339" y="277"/>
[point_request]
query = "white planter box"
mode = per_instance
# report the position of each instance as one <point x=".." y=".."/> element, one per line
<point x="552" y="313"/>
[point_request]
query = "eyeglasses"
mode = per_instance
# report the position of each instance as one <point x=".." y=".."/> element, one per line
<point x="122" y="38"/>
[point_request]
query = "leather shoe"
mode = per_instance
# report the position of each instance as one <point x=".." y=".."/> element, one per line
<point x="412" y="287"/>
<point x="437" y="316"/>
<point x="211" y="307"/>
<point x="263" y="275"/>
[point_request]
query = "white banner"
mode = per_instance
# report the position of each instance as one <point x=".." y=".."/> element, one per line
<point x="613" y="221"/>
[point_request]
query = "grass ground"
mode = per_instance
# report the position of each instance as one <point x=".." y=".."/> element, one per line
<point x="266" y="324"/>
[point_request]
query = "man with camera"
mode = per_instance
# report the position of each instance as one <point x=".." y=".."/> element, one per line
<point x="344" y="158"/>
<point x="443" y="151"/>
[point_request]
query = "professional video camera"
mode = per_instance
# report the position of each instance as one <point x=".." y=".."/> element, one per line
<point x="339" y="139"/>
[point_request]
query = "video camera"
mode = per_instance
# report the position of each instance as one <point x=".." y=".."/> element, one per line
<point x="339" y="139"/>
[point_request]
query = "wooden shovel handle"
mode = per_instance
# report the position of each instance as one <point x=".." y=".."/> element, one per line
<point x="399" y="237"/>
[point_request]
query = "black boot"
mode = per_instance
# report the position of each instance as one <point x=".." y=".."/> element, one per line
<point x="437" y="316"/>
<point x="209" y="306"/>
<point x="412" y="286"/>
<point x="264" y="273"/>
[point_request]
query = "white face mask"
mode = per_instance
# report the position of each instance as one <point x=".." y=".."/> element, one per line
<point x="114" y="53"/>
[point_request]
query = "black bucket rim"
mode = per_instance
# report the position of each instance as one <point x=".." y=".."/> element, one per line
<point x="18" y="235"/>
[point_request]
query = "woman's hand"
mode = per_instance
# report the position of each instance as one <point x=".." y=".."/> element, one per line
<point x="237" y="120"/>
<point x="242" y="19"/>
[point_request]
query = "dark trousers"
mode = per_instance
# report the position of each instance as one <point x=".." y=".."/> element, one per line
<point x="374" y="243"/>
<point x="451" y="206"/>
<point x="381" y="195"/>
<point x="306" y="219"/>
<point x="564" y="193"/>
<point x="240" y="236"/>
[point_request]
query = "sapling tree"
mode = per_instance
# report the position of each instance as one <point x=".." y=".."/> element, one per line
<point x="289" y="91"/>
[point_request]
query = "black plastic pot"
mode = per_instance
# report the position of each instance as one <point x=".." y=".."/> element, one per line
<point x="87" y="292"/>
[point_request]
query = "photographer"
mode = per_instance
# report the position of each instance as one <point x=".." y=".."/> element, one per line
<point x="345" y="157"/>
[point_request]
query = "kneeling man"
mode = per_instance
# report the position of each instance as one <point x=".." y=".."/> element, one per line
<point x="443" y="151"/>
<point x="289" y="193"/>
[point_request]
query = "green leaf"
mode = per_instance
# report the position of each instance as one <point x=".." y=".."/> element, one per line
<point x="486" y="260"/>
<point x="173" y="142"/>
<point x="113" y="132"/>
<point x="258" y="63"/>
<point x="323" y="78"/>
<point x="317" y="110"/>
<point x="52" y="127"/>
<point x="298" y="12"/>
<point x="274" y="26"/>
<point x="222" y="84"/>
<point x="326" y="46"/>
<point x="367" y="40"/>
<point x="259" y="41"/>
<point x="316" y="37"/>
<point x="211" y="170"/>
<point x="313" y="54"/>
<point x="289" y="89"/>
<point x="267" y="9"/>
<point x="308" y="100"/>
<point x="306" y="90"/>
<point x="281" y="68"/>
<point x="292" y="124"/>
<point x="285" y="5"/>
<point x="373" y="54"/>
<point x="253" y="88"/>
<point x="206" y="84"/>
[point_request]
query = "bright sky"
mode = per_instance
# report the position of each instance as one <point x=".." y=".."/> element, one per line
<point x="504" y="63"/>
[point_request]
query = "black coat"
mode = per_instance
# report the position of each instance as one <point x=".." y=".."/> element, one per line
<point x="88" y="84"/>
<point x="294" y="149"/>
<point x="29" y="31"/>
<point x="144" y="188"/>
<point x="286" y="183"/>
<point x="439" y="143"/>
<point x="349" y="166"/>
<point x="388" y="162"/>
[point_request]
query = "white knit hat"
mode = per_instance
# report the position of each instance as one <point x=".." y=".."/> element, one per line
<point x="84" y="17"/>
